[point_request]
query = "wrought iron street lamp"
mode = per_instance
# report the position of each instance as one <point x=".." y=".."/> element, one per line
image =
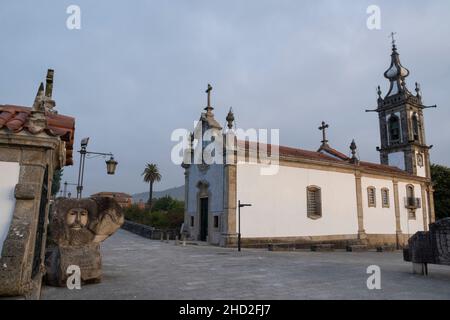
<point x="65" y="187"/>
<point x="240" y="205"/>
<point x="111" y="164"/>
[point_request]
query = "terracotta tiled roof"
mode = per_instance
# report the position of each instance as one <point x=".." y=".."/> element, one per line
<point x="112" y="194"/>
<point x="284" y="151"/>
<point x="14" y="118"/>
<point x="333" y="152"/>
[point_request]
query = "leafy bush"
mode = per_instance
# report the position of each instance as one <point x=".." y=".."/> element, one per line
<point x="440" y="175"/>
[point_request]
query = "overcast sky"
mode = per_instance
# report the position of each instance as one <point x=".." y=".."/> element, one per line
<point x="137" y="70"/>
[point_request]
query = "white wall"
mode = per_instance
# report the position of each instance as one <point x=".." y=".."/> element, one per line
<point x="378" y="220"/>
<point x="410" y="226"/>
<point x="279" y="202"/>
<point x="9" y="177"/>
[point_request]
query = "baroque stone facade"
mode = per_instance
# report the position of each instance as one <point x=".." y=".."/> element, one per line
<point x="38" y="141"/>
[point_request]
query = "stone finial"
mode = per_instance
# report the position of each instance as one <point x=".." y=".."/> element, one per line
<point x="37" y="104"/>
<point x="379" y="92"/>
<point x="37" y="121"/>
<point x="49" y="83"/>
<point x="354" y="159"/>
<point x="418" y="92"/>
<point x="230" y="118"/>
<point x="49" y="103"/>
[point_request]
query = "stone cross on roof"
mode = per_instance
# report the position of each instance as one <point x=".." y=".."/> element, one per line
<point x="324" y="135"/>
<point x="208" y="106"/>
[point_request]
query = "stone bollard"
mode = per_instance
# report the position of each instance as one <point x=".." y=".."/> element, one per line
<point x="177" y="241"/>
<point x="184" y="240"/>
<point x="162" y="236"/>
<point x="168" y="237"/>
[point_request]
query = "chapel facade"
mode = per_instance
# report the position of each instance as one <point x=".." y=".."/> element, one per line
<point x="321" y="196"/>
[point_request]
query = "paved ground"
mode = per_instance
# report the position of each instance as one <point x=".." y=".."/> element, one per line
<point x="138" y="268"/>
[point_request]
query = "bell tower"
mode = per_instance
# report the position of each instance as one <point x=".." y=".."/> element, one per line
<point x="402" y="128"/>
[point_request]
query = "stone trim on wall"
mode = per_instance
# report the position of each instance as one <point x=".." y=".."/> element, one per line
<point x="34" y="153"/>
<point x="229" y="233"/>
<point x="397" y="213"/>
<point x="359" y="207"/>
<point x="424" y="207"/>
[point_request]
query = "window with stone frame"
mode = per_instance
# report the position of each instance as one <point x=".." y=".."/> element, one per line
<point x="216" y="222"/>
<point x="314" y="202"/>
<point x="385" y="198"/>
<point x="372" y="197"/>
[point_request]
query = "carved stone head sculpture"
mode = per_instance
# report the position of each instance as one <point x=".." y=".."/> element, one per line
<point x="78" y="222"/>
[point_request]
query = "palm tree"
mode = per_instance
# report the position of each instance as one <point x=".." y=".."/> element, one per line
<point x="151" y="174"/>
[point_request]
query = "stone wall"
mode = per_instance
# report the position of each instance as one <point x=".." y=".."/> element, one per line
<point x="149" y="232"/>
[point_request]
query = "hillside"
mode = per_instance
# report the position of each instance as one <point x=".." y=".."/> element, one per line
<point x="176" y="193"/>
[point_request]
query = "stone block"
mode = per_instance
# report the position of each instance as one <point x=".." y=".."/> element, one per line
<point x="26" y="191"/>
<point x="322" y="247"/>
<point x="356" y="248"/>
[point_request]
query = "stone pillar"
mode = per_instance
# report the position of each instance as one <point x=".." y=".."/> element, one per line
<point x="359" y="206"/>
<point x="431" y="203"/>
<point x="424" y="207"/>
<point x="187" y="220"/>
<point x="22" y="257"/>
<point x="398" y="228"/>
<point x="229" y="232"/>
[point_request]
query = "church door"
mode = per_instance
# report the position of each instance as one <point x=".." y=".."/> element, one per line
<point x="203" y="219"/>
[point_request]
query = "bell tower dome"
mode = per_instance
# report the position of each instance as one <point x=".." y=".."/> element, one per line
<point x="402" y="129"/>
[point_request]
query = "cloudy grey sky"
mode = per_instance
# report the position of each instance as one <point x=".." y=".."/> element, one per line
<point x="138" y="69"/>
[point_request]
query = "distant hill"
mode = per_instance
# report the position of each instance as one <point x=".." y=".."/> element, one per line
<point x="176" y="193"/>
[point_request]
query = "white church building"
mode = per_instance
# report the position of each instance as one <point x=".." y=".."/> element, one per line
<point x="318" y="196"/>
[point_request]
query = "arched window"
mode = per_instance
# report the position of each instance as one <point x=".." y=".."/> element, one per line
<point x="415" y="125"/>
<point x="385" y="198"/>
<point x="371" y="197"/>
<point x="314" y="202"/>
<point x="410" y="191"/>
<point x="394" y="128"/>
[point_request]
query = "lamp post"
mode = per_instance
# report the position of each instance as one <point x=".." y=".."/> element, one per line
<point x="240" y="205"/>
<point x="65" y="187"/>
<point x="111" y="164"/>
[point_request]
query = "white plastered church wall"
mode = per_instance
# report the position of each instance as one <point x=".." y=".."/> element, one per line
<point x="279" y="205"/>
<point x="9" y="173"/>
<point x="378" y="220"/>
<point x="410" y="226"/>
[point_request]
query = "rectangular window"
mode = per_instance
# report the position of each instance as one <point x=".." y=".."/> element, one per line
<point x="385" y="198"/>
<point x="216" y="222"/>
<point x="192" y="221"/>
<point x="371" y="197"/>
<point x="314" y="202"/>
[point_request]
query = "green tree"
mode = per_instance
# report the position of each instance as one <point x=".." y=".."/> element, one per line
<point x="151" y="175"/>
<point x="440" y="176"/>
<point x="56" y="181"/>
<point x="167" y="203"/>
